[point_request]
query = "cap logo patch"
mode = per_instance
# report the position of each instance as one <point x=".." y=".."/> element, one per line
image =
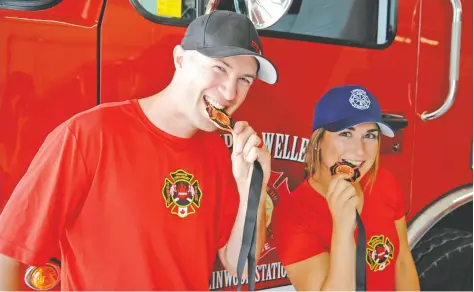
<point x="359" y="99"/>
<point x="256" y="47"/>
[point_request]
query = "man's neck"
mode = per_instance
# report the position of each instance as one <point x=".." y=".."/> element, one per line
<point x="163" y="111"/>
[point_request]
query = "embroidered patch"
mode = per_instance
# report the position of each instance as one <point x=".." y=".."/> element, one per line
<point x="379" y="253"/>
<point x="182" y="194"/>
<point x="359" y="99"/>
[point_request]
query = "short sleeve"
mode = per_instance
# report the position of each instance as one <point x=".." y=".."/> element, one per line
<point x="394" y="192"/>
<point x="295" y="239"/>
<point x="230" y="205"/>
<point x="44" y="200"/>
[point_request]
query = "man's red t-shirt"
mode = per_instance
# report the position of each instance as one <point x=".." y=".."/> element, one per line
<point x="132" y="207"/>
<point x="302" y="226"/>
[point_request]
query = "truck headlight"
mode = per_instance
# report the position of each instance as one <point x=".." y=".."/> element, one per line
<point x="44" y="277"/>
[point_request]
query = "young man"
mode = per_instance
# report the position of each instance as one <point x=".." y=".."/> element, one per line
<point x="141" y="194"/>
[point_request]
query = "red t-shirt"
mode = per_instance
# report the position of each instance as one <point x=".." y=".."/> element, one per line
<point x="302" y="226"/>
<point x="132" y="207"/>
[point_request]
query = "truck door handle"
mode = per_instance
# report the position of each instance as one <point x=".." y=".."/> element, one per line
<point x="396" y="122"/>
<point x="453" y="64"/>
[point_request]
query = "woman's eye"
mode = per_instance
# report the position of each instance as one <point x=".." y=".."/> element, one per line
<point x="345" y="134"/>
<point x="371" y="136"/>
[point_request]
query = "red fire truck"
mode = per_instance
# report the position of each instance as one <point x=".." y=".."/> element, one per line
<point x="60" y="57"/>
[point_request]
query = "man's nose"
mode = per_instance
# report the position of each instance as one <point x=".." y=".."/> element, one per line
<point x="229" y="90"/>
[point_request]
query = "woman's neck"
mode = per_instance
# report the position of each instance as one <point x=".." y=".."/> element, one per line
<point x="320" y="180"/>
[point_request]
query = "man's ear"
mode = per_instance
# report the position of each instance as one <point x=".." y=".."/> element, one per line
<point x="178" y="56"/>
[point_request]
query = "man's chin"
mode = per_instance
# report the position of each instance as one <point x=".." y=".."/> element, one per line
<point x="208" y="127"/>
<point x="208" y="130"/>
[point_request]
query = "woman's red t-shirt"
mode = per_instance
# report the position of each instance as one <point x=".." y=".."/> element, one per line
<point x="302" y="226"/>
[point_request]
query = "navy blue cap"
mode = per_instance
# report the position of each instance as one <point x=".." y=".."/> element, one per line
<point x="346" y="106"/>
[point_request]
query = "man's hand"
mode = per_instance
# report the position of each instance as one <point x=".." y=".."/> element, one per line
<point x="246" y="149"/>
<point x="10" y="274"/>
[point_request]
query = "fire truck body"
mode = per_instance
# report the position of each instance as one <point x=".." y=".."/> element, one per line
<point x="58" y="58"/>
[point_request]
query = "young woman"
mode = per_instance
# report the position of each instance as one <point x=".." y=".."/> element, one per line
<point x="315" y="226"/>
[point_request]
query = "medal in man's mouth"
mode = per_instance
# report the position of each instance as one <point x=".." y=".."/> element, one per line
<point x="218" y="116"/>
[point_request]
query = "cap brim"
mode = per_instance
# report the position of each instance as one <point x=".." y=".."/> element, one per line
<point x="267" y="71"/>
<point x="353" y="121"/>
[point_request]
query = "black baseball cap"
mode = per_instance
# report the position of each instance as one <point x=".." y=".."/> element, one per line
<point x="221" y="34"/>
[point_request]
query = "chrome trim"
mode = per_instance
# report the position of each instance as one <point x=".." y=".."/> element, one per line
<point x="453" y="64"/>
<point x="27" y="277"/>
<point x="434" y="213"/>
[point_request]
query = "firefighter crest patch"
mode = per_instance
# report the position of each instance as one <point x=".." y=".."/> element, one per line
<point x="182" y="194"/>
<point x="379" y="253"/>
<point x="359" y="99"/>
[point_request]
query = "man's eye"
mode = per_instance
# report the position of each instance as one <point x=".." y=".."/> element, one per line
<point x="246" y="80"/>
<point x="220" y="68"/>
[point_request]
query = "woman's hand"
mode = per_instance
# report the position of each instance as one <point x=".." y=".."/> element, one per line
<point x="342" y="201"/>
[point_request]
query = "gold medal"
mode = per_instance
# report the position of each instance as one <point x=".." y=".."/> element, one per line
<point x="220" y="118"/>
<point x="347" y="168"/>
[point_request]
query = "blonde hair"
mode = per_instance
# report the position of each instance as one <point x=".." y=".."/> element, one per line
<point x="312" y="157"/>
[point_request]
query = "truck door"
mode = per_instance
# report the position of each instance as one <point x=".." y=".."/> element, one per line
<point x="444" y="101"/>
<point x="48" y="72"/>
<point x="317" y="45"/>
